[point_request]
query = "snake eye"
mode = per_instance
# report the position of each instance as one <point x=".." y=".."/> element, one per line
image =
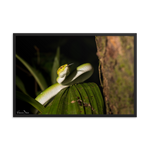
<point x="62" y="67"/>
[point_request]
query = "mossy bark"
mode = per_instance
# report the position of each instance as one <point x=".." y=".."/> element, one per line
<point x="116" y="72"/>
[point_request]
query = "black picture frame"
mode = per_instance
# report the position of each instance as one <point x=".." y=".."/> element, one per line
<point x="15" y="33"/>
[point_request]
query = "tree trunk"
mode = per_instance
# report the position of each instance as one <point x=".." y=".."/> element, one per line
<point x="116" y="72"/>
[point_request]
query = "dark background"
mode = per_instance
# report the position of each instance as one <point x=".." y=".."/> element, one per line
<point x="39" y="52"/>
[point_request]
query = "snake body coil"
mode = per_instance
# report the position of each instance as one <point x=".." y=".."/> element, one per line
<point x="64" y="79"/>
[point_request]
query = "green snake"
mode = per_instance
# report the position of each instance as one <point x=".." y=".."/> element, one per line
<point x="65" y="79"/>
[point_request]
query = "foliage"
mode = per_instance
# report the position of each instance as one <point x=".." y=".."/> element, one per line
<point x="30" y="100"/>
<point x="20" y="85"/>
<point x="56" y="65"/>
<point x="83" y="98"/>
<point x="36" y="74"/>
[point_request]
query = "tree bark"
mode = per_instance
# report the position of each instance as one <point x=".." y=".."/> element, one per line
<point x="116" y="72"/>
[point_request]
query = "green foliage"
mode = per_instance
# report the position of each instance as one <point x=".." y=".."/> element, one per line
<point x="20" y="85"/>
<point x="36" y="74"/>
<point x="56" y="65"/>
<point x="83" y="98"/>
<point x="30" y="100"/>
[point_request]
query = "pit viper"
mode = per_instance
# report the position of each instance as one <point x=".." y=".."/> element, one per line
<point x="65" y="79"/>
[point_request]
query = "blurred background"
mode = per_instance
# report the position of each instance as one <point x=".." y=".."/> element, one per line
<point x="40" y="52"/>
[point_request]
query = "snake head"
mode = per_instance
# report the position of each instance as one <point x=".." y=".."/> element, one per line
<point x="63" y="71"/>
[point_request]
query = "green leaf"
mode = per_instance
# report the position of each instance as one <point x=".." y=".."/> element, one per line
<point x="82" y="98"/>
<point x="73" y="106"/>
<point x="62" y="102"/>
<point x="75" y="98"/>
<point x="92" y="99"/>
<point x="53" y="106"/>
<point x="30" y="100"/>
<point x="36" y="74"/>
<point x="98" y="96"/>
<point x="20" y="85"/>
<point x="37" y="93"/>
<point x="55" y="66"/>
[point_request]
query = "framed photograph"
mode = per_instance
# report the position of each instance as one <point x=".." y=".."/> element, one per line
<point x="74" y="75"/>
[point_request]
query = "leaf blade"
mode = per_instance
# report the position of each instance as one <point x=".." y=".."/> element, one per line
<point x="91" y="98"/>
<point x="36" y="74"/>
<point x="30" y="100"/>
<point x="55" y="66"/>
<point x="20" y="85"/>
<point x="84" y="98"/>
<point x="76" y="99"/>
<point x="98" y="96"/>
<point x="53" y="106"/>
